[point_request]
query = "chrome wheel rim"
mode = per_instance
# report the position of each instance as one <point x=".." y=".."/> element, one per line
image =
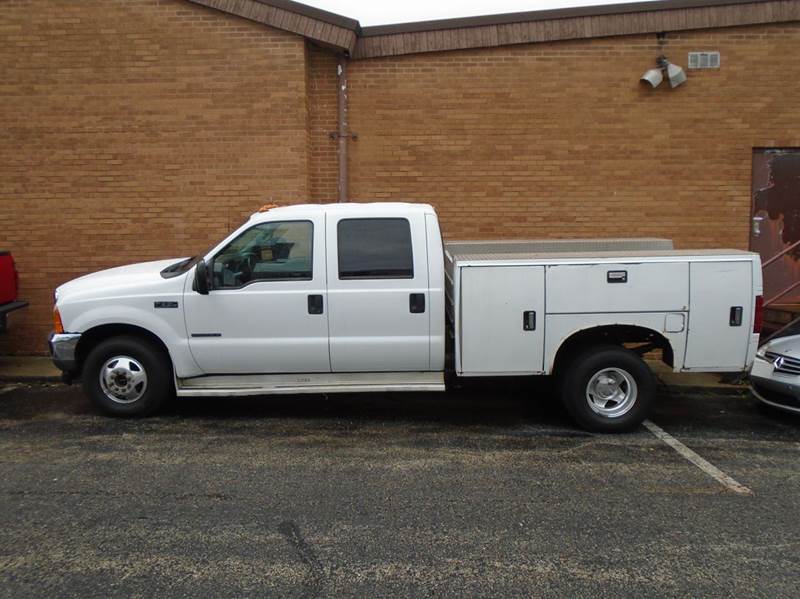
<point x="123" y="379"/>
<point x="611" y="392"/>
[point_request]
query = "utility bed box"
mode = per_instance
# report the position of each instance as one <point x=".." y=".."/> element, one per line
<point x="511" y="304"/>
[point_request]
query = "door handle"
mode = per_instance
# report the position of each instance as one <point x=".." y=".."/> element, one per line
<point x="757" y="225"/>
<point x="315" y="304"/>
<point x="529" y="320"/>
<point x="416" y="303"/>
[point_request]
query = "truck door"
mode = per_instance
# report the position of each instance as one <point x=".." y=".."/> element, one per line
<point x="379" y="316"/>
<point x="267" y="309"/>
<point x="720" y="315"/>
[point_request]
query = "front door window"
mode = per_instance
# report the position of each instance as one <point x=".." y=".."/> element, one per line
<point x="266" y="252"/>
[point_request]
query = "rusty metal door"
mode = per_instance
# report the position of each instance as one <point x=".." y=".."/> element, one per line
<point x="775" y="225"/>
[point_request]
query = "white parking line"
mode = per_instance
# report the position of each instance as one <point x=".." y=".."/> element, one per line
<point x="695" y="459"/>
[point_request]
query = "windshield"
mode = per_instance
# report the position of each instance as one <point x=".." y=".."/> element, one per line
<point x="180" y="267"/>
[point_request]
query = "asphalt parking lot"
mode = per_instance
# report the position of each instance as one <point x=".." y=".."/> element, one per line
<point x="487" y="491"/>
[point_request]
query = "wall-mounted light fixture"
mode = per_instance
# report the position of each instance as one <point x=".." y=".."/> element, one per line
<point x="673" y="72"/>
<point x="653" y="76"/>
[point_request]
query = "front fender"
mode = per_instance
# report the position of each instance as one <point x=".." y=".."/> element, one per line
<point x="166" y="324"/>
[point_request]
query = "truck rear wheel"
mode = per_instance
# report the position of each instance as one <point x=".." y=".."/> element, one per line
<point x="607" y="389"/>
<point x="127" y="376"/>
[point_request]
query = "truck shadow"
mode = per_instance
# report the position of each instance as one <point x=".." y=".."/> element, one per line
<point x="530" y="411"/>
<point x="524" y="407"/>
<point x="485" y="403"/>
<point x="496" y="403"/>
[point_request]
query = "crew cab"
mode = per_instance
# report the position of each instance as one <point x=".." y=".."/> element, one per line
<point x="367" y="298"/>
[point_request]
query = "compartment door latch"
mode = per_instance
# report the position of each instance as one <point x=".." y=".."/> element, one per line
<point x="529" y="320"/>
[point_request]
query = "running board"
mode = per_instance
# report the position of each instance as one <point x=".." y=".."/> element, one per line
<point x="268" y="384"/>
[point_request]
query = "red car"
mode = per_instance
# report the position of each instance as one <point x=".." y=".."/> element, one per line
<point x="9" y="284"/>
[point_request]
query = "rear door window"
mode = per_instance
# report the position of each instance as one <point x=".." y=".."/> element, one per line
<point x="375" y="248"/>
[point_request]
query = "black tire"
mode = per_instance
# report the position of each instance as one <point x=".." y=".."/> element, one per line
<point x="577" y="372"/>
<point x="153" y="360"/>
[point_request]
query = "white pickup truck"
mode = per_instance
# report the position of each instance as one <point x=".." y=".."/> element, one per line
<point x="366" y="297"/>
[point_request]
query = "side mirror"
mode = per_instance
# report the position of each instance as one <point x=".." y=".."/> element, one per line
<point x="201" y="278"/>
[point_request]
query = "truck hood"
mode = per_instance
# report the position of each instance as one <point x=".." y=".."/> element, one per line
<point x="133" y="279"/>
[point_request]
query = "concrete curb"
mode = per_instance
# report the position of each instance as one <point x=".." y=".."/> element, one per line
<point x="28" y="369"/>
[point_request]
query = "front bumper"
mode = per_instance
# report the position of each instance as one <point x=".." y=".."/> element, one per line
<point x="776" y="389"/>
<point x="63" y="348"/>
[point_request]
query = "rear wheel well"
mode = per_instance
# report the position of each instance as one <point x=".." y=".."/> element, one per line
<point x="98" y="334"/>
<point x="638" y="339"/>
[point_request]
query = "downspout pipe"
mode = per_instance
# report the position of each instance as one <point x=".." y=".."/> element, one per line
<point x="342" y="133"/>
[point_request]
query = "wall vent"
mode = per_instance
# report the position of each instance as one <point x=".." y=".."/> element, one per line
<point x="703" y="60"/>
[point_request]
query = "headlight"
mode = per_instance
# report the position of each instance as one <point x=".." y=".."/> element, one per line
<point x="761" y="352"/>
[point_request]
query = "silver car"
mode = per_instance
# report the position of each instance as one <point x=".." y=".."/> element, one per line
<point x="775" y="375"/>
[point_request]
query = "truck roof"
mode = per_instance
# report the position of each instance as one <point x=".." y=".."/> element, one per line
<point x="376" y="208"/>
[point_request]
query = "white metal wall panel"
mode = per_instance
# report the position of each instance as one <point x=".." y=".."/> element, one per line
<point x="585" y="288"/>
<point x="712" y="342"/>
<point x="492" y="336"/>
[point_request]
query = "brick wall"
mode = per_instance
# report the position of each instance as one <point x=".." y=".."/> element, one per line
<point x="142" y="129"/>
<point x="134" y="130"/>
<point x="561" y="140"/>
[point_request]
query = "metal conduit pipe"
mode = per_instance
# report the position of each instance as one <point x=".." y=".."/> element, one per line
<point x="342" y="133"/>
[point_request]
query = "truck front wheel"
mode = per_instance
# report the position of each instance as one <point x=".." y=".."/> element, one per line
<point x="127" y="376"/>
<point x="607" y="389"/>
